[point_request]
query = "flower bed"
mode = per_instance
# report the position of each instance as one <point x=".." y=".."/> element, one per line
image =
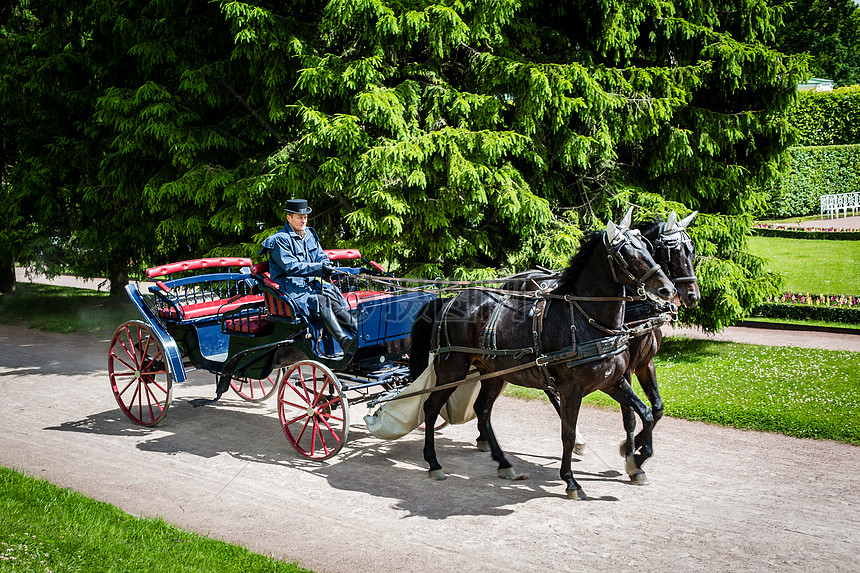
<point x="821" y="233"/>
<point x="805" y="306"/>
<point x="834" y="300"/>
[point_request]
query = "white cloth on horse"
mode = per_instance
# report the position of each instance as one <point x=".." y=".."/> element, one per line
<point x="397" y="418"/>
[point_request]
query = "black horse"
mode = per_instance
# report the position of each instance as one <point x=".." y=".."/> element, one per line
<point x="674" y="251"/>
<point x="569" y="342"/>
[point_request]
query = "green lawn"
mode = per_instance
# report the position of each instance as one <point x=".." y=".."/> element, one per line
<point x="802" y="392"/>
<point x="828" y="267"/>
<point x="65" y="309"/>
<point x="44" y="528"/>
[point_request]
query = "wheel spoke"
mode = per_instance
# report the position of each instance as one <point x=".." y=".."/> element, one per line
<point x="126" y="387"/>
<point x="150" y="399"/>
<point x="122" y="343"/>
<point x="304" y="427"/>
<point x="304" y="396"/>
<point x="119" y="359"/>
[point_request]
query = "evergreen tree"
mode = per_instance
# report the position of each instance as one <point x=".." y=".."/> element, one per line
<point x="444" y="138"/>
<point x="829" y="32"/>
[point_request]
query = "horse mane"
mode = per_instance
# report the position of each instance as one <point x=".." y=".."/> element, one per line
<point x="651" y="230"/>
<point x="648" y="229"/>
<point x="578" y="262"/>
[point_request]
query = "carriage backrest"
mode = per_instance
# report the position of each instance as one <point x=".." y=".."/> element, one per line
<point x="182" y="292"/>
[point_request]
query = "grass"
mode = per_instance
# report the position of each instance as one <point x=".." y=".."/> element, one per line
<point x="44" y="528"/>
<point x="807" y="393"/>
<point x="64" y="309"/>
<point x="828" y="267"/>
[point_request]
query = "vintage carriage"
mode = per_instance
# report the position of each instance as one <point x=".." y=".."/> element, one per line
<point x="225" y="316"/>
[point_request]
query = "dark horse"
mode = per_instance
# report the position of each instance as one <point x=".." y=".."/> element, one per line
<point x="569" y="341"/>
<point x="674" y="251"/>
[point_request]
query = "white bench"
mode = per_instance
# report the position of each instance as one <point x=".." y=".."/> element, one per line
<point x="833" y="204"/>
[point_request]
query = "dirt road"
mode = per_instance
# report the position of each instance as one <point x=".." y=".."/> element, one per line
<point x="719" y="499"/>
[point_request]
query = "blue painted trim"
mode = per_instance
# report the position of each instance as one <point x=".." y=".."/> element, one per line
<point x="174" y="357"/>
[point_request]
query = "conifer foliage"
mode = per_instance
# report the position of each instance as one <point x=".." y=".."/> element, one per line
<point x="460" y="139"/>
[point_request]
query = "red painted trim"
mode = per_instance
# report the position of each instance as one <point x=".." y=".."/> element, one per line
<point x="197" y="264"/>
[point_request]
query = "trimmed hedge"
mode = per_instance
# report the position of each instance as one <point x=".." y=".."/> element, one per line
<point x="827" y="118"/>
<point x="807" y="312"/>
<point x="802" y="234"/>
<point x="810" y="173"/>
<point x="827" y="159"/>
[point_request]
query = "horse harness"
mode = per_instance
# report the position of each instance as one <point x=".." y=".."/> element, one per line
<point x="573" y="355"/>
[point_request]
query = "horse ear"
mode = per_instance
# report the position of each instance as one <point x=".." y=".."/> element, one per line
<point x="612" y="232"/>
<point x="628" y="219"/>
<point x="687" y="220"/>
<point x="671" y="222"/>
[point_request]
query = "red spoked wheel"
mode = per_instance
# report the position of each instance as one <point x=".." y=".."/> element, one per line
<point x="313" y="410"/>
<point x="257" y="390"/>
<point x="139" y="375"/>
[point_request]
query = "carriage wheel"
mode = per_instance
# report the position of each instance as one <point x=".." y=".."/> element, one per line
<point x="139" y="375"/>
<point x="313" y="410"/>
<point x="257" y="390"/>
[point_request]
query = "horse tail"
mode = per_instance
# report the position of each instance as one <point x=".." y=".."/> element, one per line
<point x="422" y="336"/>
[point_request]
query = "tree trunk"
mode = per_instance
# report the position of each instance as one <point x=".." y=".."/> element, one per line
<point x="7" y="275"/>
<point x="118" y="277"/>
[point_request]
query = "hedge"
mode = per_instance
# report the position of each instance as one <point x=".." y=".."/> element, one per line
<point x="817" y="234"/>
<point x="810" y="173"/>
<point x="807" y="312"/>
<point x="827" y="118"/>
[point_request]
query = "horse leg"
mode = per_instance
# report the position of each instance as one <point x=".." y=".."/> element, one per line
<point x="628" y="445"/>
<point x="623" y="393"/>
<point x="570" y="404"/>
<point x="647" y="377"/>
<point x="490" y="390"/>
<point x="485" y="430"/>
<point x="433" y="405"/>
<point x="579" y="444"/>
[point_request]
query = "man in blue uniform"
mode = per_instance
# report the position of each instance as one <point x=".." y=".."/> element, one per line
<point x="298" y="264"/>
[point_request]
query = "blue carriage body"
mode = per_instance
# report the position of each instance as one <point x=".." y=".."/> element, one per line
<point x="238" y="322"/>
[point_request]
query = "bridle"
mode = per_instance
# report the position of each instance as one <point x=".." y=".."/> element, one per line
<point x="617" y="264"/>
<point x="673" y="241"/>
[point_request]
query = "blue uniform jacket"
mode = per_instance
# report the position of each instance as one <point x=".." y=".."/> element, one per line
<point x="295" y="264"/>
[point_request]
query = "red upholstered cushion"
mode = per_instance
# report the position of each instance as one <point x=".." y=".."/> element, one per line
<point x="209" y="308"/>
<point x="252" y="324"/>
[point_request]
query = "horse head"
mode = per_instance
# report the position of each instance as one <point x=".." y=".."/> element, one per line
<point x="675" y="252"/>
<point x="631" y="262"/>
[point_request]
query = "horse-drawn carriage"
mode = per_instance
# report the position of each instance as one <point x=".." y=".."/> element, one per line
<point x="225" y="316"/>
<point x="566" y="336"/>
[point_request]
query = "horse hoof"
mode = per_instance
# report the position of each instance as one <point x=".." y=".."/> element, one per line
<point x="483" y="446"/>
<point x="509" y="473"/>
<point x="639" y="478"/>
<point x="438" y="475"/>
<point x="579" y="448"/>
<point x="576" y="494"/>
